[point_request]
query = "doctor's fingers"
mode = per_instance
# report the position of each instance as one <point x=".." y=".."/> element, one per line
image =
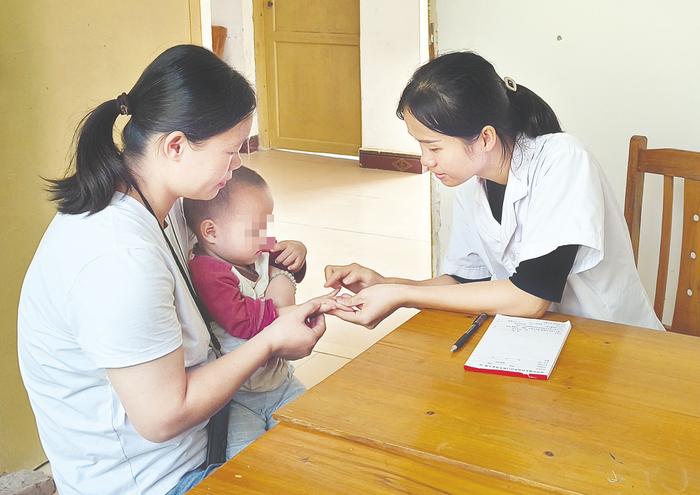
<point x="356" y="317"/>
<point x="334" y="275"/>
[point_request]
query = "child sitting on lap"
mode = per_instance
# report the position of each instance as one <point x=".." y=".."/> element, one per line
<point x="244" y="291"/>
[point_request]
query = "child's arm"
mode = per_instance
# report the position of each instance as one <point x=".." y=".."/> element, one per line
<point x="219" y="290"/>
<point x="281" y="289"/>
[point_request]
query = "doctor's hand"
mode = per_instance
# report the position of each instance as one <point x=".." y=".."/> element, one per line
<point x="370" y="306"/>
<point x="294" y="334"/>
<point x="326" y="302"/>
<point x="354" y="277"/>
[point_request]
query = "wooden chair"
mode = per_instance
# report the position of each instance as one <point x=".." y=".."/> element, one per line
<point x="218" y="40"/>
<point x="670" y="163"/>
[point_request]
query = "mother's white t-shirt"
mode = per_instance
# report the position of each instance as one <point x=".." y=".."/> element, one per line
<point x="103" y="291"/>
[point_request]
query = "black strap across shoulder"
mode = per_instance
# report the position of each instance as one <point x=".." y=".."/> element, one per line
<point x="217" y="428"/>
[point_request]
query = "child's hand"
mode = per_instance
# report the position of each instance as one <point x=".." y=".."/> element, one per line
<point x="326" y="303"/>
<point x="292" y="254"/>
<point x="332" y="301"/>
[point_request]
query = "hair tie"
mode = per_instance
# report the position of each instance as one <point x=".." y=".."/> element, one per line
<point x="510" y="84"/>
<point x="123" y="104"/>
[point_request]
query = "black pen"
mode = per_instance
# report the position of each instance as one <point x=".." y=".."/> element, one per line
<point x="472" y="329"/>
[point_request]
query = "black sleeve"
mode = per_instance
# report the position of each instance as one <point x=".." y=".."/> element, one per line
<point x="545" y="277"/>
<point x="300" y="274"/>
<point x="463" y="280"/>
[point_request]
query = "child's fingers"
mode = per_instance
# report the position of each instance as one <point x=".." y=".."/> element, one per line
<point x="343" y="306"/>
<point x="327" y="297"/>
<point x="292" y="263"/>
<point x="278" y="246"/>
<point x="271" y="245"/>
<point x="284" y="255"/>
<point x="327" y="305"/>
<point x="354" y="300"/>
<point x="297" y="264"/>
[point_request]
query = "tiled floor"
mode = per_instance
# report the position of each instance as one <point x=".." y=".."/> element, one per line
<point x="344" y="213"/>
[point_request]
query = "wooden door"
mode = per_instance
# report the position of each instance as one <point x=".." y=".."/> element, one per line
<point x="311" y="73"/>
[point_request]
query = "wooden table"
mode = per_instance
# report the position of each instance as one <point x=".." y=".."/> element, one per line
<point x="293" y="461"/>
<point x="620" y="414"/>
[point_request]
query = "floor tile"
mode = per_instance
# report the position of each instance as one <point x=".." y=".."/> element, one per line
<point x="344" y="214"/>
<point x="318" y="366"/>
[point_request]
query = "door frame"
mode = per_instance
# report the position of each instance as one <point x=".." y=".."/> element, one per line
<point x="261" y="73"/>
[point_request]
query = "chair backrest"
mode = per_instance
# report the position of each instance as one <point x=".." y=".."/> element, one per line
<point x="670" y="163"/>
<point x="218" y="40"/>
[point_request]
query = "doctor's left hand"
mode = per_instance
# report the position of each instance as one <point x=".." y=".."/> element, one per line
<point x="371" y="305"/>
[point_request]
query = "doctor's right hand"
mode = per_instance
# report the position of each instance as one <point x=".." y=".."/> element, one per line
<point x="353" y="277"/>
<point x="294" y="333"/>
<point x="371" y="305"/>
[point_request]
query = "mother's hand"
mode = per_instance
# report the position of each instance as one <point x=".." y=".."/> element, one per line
<point x="354" y="277"/>
<point x="294" y="333"/>
<point x="373" y="304"/>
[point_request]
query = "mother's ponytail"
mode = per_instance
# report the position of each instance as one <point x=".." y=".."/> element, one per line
<point x="460" y="93"/>
<point x="99" y="166"/>
<point x="186" y="88"/>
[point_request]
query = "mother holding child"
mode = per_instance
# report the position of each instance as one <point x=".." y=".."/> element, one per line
<point x="116" y="347"/>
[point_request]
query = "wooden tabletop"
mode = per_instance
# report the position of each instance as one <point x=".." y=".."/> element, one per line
<point x="290" y="461"/>
<point x="619" y="414"/>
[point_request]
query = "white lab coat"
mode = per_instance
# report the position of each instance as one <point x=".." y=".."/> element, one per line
<point x="556" y="195"/>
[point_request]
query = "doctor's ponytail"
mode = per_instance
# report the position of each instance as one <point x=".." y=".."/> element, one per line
<point x="460" y="93"/>
<point x="531" y="115"/>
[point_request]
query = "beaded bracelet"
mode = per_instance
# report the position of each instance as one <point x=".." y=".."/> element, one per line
<point x="285" y="273"/>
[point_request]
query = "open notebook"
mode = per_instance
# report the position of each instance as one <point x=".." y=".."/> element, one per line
<point x="519" y="347"/>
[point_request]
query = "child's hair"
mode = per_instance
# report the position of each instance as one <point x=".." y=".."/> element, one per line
<point x="196" y="211"/>
<point x="460" y="93"/>
<point x="186" y="88"/>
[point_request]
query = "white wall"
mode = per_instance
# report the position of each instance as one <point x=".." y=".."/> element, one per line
<point x="237" y="17"/>
<point x="393" y="44"/>
<point x="620" y="68"/>
<point x="205" y="20"/>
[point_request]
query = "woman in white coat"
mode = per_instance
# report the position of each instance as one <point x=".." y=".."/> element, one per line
<point x="535" y="227"/>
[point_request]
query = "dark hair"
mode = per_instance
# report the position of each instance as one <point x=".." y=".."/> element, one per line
<point x="458" y="94"/>
<point x="196" y="211"/>
<point x="186" y="88"/>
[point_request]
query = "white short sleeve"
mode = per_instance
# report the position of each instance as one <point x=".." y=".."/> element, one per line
<point x="567" y="204"/>
<point x="123" y="310"/>
<point x="463" y="257"/>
